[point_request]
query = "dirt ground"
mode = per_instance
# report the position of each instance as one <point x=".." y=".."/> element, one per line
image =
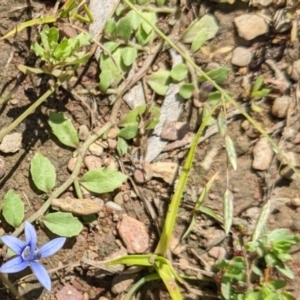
<point x="249" y="186"/>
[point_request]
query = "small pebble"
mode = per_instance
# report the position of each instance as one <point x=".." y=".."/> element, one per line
<point x="134" y="234"/>
<point x="241" y="57"/>
<point x="281" y="105"/>
<point x="263" y="154"/>
<point x="217" y="252"/>
<point x="11" y="143"/>
<point x="92" y="162"/>
<point x="2" y="166"/>
<point x="96" y="149"/>
<point x="121" y="282"/>
<point x="71" y="163"/>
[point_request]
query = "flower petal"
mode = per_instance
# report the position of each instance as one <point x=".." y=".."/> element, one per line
<point x="13" y="243"/>
<point x="30" y="236"/>
<point x="52" y="247"/>
<point x="41" y="274"/>
<point x="14" y="265"/>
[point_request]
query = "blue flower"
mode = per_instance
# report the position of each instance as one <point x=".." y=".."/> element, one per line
<point x="28" y="254"/>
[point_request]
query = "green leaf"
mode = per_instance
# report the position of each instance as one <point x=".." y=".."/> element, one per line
<point x="258" y="83"/>
<point x="208" y="211"/>
<point x="160" y="2"/>
<point x="63" y="129"/>
<point x="63" y="224"/>
<point x="285" y="270"/>
<point x="122" y="146"/>
<point x="110" y="27"/>
<point x="261" y="221"/>
<point x="43" y="173"/>
<point x="200" y="38"/>
<point x="106" y="79"/>
<point x="227" y="210"/>
<point x="261" y="93"/>
<point x="124" y="29"/>
<point x="255" y="107"/>
<point x="159" y="82"/>
<point x="179" y="72"/>
<point x="135" y="19"/>
<point x="135" y="115"/>
<point x="217" y="75"/>
<point x="207" y="23"/>
<point x="151" y="17"/>
<point x="102" y="180"/>
<point x="13" y="209"/>
<point x="129" y="132"/>
<point x="214" y="97"/>
<point x="186" y="90"/>
<point x="231" y="151"/>
<point x="38" y="50"/>
<point x="221" y="122"/>
<point x="129" y="55"/>
<point x="142" y="37"/>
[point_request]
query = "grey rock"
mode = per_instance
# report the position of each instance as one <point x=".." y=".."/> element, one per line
<point x="263" y="154"/>
<point x="241" y="57"/>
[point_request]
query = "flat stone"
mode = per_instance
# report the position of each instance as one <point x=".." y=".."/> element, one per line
<point x="134" y="234"/>
<point x="263" y="154"/>
<point x="241" y="57"/>
<point x="77" y="206"/>
<point x="173" y="131"/>
<point x="11" y="143"/>
<point x="250" y="26"/>
<point x="217" y="252"/>
<point x="167" y="171"/>
<point x="121" y="282"/>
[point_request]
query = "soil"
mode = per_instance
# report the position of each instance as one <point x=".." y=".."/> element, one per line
<point x="249" y="187"/>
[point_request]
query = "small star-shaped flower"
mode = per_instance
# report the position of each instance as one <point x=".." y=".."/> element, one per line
<point x="28" y="254"/>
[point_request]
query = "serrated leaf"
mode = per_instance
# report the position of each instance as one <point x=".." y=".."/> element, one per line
<point x="159" y="82"/>
<point x="122" y="146"/>
<point x="179" y="72"/>
<point x="13" y="209"/>
<point x="43" y="173"/>
<point x="208" y="23"/>
<point x="231" y="151"/>
<point x="217" y="75"/>
<point x="102" y="180"/>
<point x="200" y="38"/>
<point x="227" y="210"/>
<point x="129" y="132"/>
<point x="186" y="90"/>
<point x="63" y="224"/>
<point x="129" y="55"/>
<point x="63" y="129"/>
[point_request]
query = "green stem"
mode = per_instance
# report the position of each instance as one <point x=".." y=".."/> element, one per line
<point x="77" y="189"/>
